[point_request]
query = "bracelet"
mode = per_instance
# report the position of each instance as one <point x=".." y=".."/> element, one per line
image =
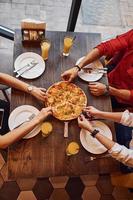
<point x="94" y="132"/>
<point x="79" y="68"/>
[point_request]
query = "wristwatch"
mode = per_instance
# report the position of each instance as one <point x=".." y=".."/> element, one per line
<point x="30" y="88"/>
<point x="94" y="132"/>
<point x="79" y="68"/>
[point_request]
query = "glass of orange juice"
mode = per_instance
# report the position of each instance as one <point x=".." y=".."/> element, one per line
<point x="68" y="42"/>
<point x="45" y="46"/>
<point x="72" y="148"/>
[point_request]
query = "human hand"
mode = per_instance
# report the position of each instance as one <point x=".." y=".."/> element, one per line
<point x="97" y="89"/>
<point x="92" y="111"/>
<point x="39" y="93"/>
<point x="84" y="123"/>
<point x="43" y="114"/>
<point x="70" y="74"/>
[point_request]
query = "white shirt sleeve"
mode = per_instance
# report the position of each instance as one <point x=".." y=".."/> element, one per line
<point x="122" y="154"/>
<point x="127" y="118"/>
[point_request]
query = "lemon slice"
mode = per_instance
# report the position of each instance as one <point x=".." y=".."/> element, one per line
<point x="72" y="149"/>
<point x="46" y="128"/>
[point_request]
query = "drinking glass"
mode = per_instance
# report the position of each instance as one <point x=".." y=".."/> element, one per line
<point x="45" y="46"/>
<point x="68" y="42"/>
<point x="72" y="148"/>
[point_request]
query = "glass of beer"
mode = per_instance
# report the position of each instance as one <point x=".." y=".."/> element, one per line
<point x="45" y="46"/>
<point x="68" y="42"/>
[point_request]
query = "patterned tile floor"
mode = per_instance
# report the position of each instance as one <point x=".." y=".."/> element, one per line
<point x="59" y="188"/>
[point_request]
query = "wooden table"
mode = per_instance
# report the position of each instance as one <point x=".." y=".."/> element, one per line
<point x="44" y="157"/>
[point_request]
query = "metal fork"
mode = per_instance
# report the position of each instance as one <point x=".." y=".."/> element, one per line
<point x="91" y="158"/>
<point x="27" y="65"/>
<point x="27" y="120"/>
<point x="27" y="69"/>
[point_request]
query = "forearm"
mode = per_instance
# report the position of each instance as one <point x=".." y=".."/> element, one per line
<point x="13" y="82"/>
<point x="105" y="141"/>
<point x="90" y="57"/>
<point x="17" y="133"/>
<point x="114" y="116"/>
<point x="121" y="93"/>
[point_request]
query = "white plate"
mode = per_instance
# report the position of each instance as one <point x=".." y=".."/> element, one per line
<point x="19" y="115"/>
<point x="26" y="58"/>
<point x="89" y="77"/>
<point x="92" y="144"/>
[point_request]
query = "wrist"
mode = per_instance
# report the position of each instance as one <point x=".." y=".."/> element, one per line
<point x="90" y="129"/>
<point x="94" y="133"/>
<point x="106" y="92"/>
<point x="77" y="67"/>
<point x="35" y="121"/>
<point x="30" y="89"/>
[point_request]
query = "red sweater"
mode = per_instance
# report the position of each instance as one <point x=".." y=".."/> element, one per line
<point x="121" y="49"/>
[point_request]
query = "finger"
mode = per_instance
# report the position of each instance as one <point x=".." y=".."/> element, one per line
<point x="92" y="83"/>
<point x="79" y="120"/>
<point x="88" y="108"/>
<point x="95" y="93"/>
<point x="43" y="93"/>
<point x="42" y="97"/>
<point x="93" y="89"/>
<point x="82" y="117"/>
<point x="48" y="109"/>
<point x="70" y="79"/>
<point x="50" y="113"/>
<point x="92" y="86"/>
<point x="63" y="74"/>
<point x="43" y="89"/>
<point x="66" y="77"/>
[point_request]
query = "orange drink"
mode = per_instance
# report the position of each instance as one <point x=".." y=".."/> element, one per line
<point x="72" y="148"/>
<point x="45" y="46"/>
<point x="46" y="129"/>
<point x="68" y="42"/>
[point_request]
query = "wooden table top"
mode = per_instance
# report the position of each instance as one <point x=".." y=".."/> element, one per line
<point x="44" y="157"/>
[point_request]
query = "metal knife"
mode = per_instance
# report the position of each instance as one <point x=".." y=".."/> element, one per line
<point x="27" y="65"/>
<point x="27" y="69"/>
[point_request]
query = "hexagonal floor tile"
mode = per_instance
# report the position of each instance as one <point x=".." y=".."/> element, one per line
<point x="43" y="189"/>
<point x="91" y="193"/>
<point x="4" y="172"/>
<point x="2" y="161"/>
<point x="59" y="194"/>
<point x="120" y="193"/>
<point x="24" y="195"/>
<point x="104" y="184"/>
<point x="89" y="180"/>
<point x="75" y="187"/>
<point x="121" y="180"/>
<point x="59" y="181"/>
<point x="4" y="153"/>
<point x="9" y="190"/>
<point x="1" y="181"/>
<point x="26" y="184"/>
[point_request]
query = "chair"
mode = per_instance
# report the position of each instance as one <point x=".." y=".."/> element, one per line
<point x="5" y="67"/>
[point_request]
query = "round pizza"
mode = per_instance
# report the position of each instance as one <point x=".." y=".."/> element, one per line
<point x="66" y="99"/>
